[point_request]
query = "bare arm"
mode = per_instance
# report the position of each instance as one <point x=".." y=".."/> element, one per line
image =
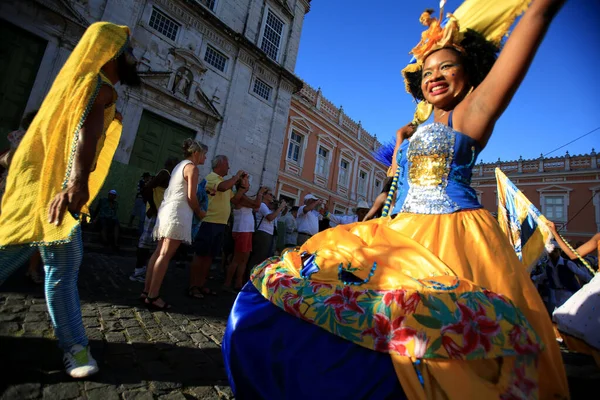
<point x="254" y="203"/>
<point x="477" y="114"/>
<point x="276" y="213"/>
<point x="401" y="134"/>
<point x="377" y="205"/>
<point x="230" y="183"/>
<point x="240" y="195"/>
<point x="583" y="250"/>
<point x="311" y="206"/>
<point x="77" y="193"/>
<point x="190" y="173"/>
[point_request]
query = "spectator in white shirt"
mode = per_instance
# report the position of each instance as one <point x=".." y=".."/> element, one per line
<point x="362" y="208"/>
<point x="242" y="232"/>
<point x="291" y="228"/>
<point x="308" y="218"/>
<point x="262" y="239"/>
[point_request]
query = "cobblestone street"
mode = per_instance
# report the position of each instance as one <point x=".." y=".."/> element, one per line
<point x="142" y="355"/>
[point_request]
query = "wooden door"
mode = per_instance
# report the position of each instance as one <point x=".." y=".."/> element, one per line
<point x="157" y="139"/>
<point x="21" y="53"/>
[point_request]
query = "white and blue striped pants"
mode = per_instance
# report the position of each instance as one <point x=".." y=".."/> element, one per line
<point x="61" y="265"/>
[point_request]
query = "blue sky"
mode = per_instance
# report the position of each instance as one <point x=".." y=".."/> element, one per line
<point x="355" y="54"/>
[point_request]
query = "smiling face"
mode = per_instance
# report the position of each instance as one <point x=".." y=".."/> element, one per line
<point x="444" y="81"/>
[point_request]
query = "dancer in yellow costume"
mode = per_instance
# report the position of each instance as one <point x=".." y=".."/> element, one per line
<point x="57" y="171"/>
<point x="433" y="301"/>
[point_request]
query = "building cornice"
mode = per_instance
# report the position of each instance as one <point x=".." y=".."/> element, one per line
<point x="65" y="9"/>
<point x="244" y="42"/>
<point x="320" y="105"/>
<point x="549" y="174"/>
<point x="492" y="183"/>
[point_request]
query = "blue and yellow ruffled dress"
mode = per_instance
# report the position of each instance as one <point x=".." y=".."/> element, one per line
<point x="431" y="303"/>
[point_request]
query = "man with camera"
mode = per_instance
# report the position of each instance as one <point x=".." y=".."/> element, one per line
<point x="208" y="242"/>
<point x="308" y="218"/>
<point x="362" y="208"/>
<point x="266" y="217"/>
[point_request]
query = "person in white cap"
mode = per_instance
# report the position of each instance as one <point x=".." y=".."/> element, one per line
<point x="308" y="218"/>
<point x="362" y="208"/>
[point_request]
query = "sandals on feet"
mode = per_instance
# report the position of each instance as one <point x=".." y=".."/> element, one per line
<point x="151" y="303"/>
<point x="208" y="291"/>
<point x="195" y="292"/>
<point x="143" y="297"/>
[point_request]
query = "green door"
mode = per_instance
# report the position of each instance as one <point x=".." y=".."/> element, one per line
<point x="21" y="53"/>
<point x="157" y="139"/>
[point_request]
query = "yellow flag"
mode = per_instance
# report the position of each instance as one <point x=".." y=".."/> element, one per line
<point x="526" y="228"/>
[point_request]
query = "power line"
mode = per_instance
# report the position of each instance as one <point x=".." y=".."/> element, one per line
<point x="574" y="140"/>
<point x="580" y="210"/>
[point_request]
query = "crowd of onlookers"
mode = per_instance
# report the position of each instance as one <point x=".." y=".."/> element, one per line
<point x="213" y="217"/>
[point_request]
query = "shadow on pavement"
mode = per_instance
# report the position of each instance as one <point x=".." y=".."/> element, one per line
<point x="104" y="280"/>
<point x="163" y="365"/>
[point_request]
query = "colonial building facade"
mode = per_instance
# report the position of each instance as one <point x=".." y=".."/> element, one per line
<point x="218" y="70"/>
<point x="328" y="154"/>
<point x="565" y="189"/>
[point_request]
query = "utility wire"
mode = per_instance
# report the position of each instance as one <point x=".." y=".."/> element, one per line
<point x="580" y="210"/>
<point x="572" y="141"/>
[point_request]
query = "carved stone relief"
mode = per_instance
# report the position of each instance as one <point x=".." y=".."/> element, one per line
<point x="183" y="81"/>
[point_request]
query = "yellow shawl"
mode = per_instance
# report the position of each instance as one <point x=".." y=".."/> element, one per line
<point x="42" y="163"/>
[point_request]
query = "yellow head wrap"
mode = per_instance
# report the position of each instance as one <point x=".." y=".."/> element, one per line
<point x="42" y="162"/>
<point x="492" y="19"/>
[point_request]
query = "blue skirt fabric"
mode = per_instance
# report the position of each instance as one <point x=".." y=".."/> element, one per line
<point x="270" y="354"/>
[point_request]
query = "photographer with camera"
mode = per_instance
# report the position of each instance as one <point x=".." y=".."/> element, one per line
<point x="209" y="239"/>
<point x="242" y="232"/>
<point x="262" y="240"/>
<point x="308" y="218"/>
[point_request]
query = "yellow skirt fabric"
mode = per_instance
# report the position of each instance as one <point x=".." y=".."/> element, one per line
<point x="444" y="295"/>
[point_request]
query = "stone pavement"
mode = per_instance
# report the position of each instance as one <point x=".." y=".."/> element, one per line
<point x="142" y="355"/>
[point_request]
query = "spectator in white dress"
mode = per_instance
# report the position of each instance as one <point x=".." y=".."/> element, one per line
<point x="174" y="220"/>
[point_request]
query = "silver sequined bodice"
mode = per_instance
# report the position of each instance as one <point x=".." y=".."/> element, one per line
<point x="435" y="171"/>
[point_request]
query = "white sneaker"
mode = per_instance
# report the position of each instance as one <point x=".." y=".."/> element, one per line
<point x="79" y="362"/>
<point x="139" y="275"/>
